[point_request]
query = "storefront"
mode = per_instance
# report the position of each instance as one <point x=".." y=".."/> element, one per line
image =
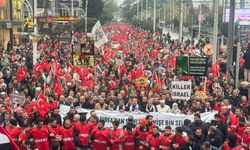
<point x="5" y="22"/>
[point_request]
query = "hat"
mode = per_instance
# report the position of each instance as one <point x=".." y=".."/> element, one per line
<point x="38" y="88"/>
<point x="143" y="121"/>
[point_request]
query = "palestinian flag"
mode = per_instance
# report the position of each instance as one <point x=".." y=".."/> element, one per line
<point x="156" y="83"/>
<point x="6" y="143"/>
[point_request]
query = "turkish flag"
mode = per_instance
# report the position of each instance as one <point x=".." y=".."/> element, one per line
<point x="58" y="88"/>
<point x="42" y="105"/>
<point x="5" y="141"/>
<point x="21" y="73"/>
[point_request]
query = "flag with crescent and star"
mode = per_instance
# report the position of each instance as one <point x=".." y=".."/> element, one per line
<point x="21" y="73"/>
<point x="42" y="105"/>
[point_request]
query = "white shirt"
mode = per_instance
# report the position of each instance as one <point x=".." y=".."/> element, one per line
<point x="166" y="108"/>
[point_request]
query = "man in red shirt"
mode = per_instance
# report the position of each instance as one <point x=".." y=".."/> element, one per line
<point x="150" y="123"/>
<point x="82" y="132"/>
<point x="129" y="139"/>
<point x="13" y="130"/>
<point x="154" y="139"/>
<point x="178" y="139"/>
<point x="240" y="129"/>
<point x="117" y="136"/>
<point x="101" y="136"/>
<point x="67" y="133"/>
<point x="245" y="143"/>
<point x="142" y="132"/>
<point x="40" y="135"/>
<point x="166" y="139"/>
<point x="53" y="128"/>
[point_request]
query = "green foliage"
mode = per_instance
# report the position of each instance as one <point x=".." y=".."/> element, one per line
<point x="79" y="25"/>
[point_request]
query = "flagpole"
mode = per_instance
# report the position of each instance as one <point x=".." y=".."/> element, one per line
<point x="199" y="19"/>
<point x="154" y="19"/>
<point x="86" y="17"/>
<point x="35" y="33"/>
<point x="181" y="22"/>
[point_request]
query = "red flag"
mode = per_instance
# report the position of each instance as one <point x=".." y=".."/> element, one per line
<point x="215" y="69"/>
<point x="139" y="71"/>
<point x="107" y="55"/>
<point x="58" y="88"/>
<point x="6" y="142"/>
<point x="156" y="85"/>
<point x="21" y="73"/>
<point x="153" y="54"/>
<point x="122" y="69"/>
<point x="42" y="105"/>
<point x="68" y="77"/>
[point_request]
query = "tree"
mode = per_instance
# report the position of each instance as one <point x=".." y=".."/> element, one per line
<point x="95" y="8"/>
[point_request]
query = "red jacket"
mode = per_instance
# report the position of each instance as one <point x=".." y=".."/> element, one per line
<point x="22" y="138"/>
<point x="226" y="147"/>
<point x="178" y="139"/>
<point x="166" y="141"/>
<point x="55" y="131"/>
<point x="240" y="132"/>
<point x="40" y="136"/>
<point x="245" y="144"/>
<point x="142" y="136"/>
<point x="118" y="137"/>
<point x="129" y="141"/>
<point x="68" y="138"/>
<point x="101" y="139"/>
<point x="14" y="132"/>
<point x="154" y="141"/>
<point x="83" y="131"/>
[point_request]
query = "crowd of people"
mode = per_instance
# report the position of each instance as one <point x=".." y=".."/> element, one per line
<point x="31" y="95"/>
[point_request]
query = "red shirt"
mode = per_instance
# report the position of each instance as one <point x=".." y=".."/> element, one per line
<point x="154" y="141"/>
<point x="166" y="141"/>
<point x="84" y="131"/>
<point x="14" y="132"/>
<point x="246" y="141"/>
<point x="129" y="143"/>
<point x="101" y="139"/>
<point x="68" y="138"/>
<point x="40" y="136"/>
<point x="117" y="136"/>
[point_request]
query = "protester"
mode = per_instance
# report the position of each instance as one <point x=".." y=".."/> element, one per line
<point x="41" y="90"/>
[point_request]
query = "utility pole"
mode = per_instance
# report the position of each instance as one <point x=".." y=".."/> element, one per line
<point x="137" y="11"/>
<point x="11" y="25"/>
<point x="164" y="14"/>
<point x="35" y="38"/>
<point x="215" y="31"/>
<point x="86" y="17"/>
<point x="146" y="9"/>
<point x="173" y="14"/>
<point x="72" y="9"/>
<point x="181" y="22"/>
<point x="154" y="18"/>
<point x="199" y="19"/>
<point x="237" y="61"/>
<point x="230" y="42"/>
<point x="141" y="9"/>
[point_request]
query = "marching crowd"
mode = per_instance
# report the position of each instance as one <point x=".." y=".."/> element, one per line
<point x="31" y="95"/>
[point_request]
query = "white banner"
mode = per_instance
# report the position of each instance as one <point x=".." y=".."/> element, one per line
<point x="161" y="119"/>
<point x="99" y="35"/>
<point x="181" y="89"/>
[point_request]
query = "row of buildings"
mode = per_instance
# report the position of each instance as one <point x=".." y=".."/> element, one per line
<point x="14" y="15"/>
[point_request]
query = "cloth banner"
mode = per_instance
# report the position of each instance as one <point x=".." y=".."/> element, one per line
<point x="181" y="89"/>
<point x="161" y="119"/>
<point x="99" y="35"/>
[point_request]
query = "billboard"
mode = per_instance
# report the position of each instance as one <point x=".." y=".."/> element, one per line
<point x="240" y="15"/>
